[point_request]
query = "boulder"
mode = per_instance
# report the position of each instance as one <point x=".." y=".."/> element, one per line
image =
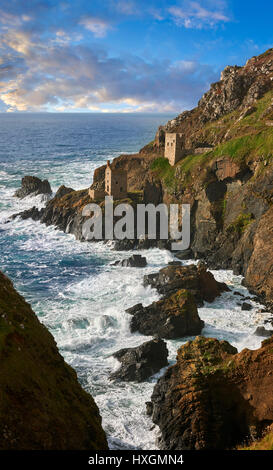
<point x="214" y="398"/>
<point x="138" y="364"/>
<point x="33" y="185"/>
<point x="245" y="306"/>
<point x="174" y="316"/>
<point x="134" y="261"/>
<point x="261" y="331"/>
<point x="196" y="279"/>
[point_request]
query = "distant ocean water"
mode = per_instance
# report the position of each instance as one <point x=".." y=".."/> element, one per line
<point x="71" y="285"/>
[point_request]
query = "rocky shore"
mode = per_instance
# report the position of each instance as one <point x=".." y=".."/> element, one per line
<point x="213" y="397"/>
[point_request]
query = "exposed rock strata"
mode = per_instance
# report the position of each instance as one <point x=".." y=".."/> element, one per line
<point x="213" y="398"/>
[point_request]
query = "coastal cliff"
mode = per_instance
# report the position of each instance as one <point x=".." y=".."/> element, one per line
<point x="229" y="184"/>
<point x="42" y="405"/>
<point x="213" y="397"/>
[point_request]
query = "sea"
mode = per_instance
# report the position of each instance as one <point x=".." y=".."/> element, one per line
<point x="72" y="286"/>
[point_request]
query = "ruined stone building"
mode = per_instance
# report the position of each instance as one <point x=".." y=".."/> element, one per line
<point x="174" y="147"/>
<point x="115" y="184"/>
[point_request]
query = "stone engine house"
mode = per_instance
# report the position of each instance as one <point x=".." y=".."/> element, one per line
<point x="115" y="182"/>
<point x="174" y="147"/>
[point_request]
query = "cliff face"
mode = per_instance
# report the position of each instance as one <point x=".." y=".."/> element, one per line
<point x="42" y="405"/>
<point x="213" y="398"/>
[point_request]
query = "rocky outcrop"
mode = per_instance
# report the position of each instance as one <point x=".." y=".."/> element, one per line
<point x="33" y="185"/>
<point x="196" y="279"/>
<point x="214" y="398"/>
<point x="62" y="191"/>
<point x="140" y="363"/>
<point x="134" y="261"/>
<point x="172" y="317"/>
<point x="262" y="331"/>
<point x="33" y="213"/>
<point x="238" y="89"/>
<point x="42" y="405"/>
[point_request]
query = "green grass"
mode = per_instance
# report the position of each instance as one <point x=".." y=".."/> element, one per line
<point x="189" y="163"/>
<point x="165" y="171"/>
<point x="247" y="147"/>
<point x="241" y="223"/>
<point x="266" y="443"/>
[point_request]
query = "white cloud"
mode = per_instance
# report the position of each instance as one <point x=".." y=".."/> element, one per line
<point x="97" y="26"/>
<point x="67" y="76"/>
<point x="126" y="7"/>
<point x="193" y="15"/>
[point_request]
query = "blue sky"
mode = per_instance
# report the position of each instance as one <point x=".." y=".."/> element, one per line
<point x="123" y="56"/>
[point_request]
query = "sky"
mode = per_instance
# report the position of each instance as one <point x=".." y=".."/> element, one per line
<point x="123" y="56"/>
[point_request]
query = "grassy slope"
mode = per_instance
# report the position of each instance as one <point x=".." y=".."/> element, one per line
<point x="242" y="139"/>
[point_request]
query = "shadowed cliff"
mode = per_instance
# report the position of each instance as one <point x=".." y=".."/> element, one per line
<point x="42" y="405"/>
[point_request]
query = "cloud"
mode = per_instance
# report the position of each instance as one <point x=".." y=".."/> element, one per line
<point x="126" y="7"/>
<point x="193" y="15"/>
<point x="45" y="66"/>
<point x="97" y="26"/>
<point x="70" y="76"/>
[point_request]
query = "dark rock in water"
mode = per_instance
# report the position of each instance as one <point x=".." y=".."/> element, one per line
<point x="172" y="317"/>
<point x="174" y="263"/>
<point x="124" y="245"/>
<point x="33" y="185"/>
<point x="196" y="279"/>
<point x="184" y="255"/>
<point x="143" y="244"/>
<point x="141" y="362"/>
<point x="246" y="306"/>
<point x="32" y="213"/>
<point x="213" y="397"/>
<point x="62" y="191"/>
<point x="135" y="261"/>
<point x="261" y="331"/>
<point x="238" y="293"/>
<point x="149" y="408"/>
<point x="134" y="309"/>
